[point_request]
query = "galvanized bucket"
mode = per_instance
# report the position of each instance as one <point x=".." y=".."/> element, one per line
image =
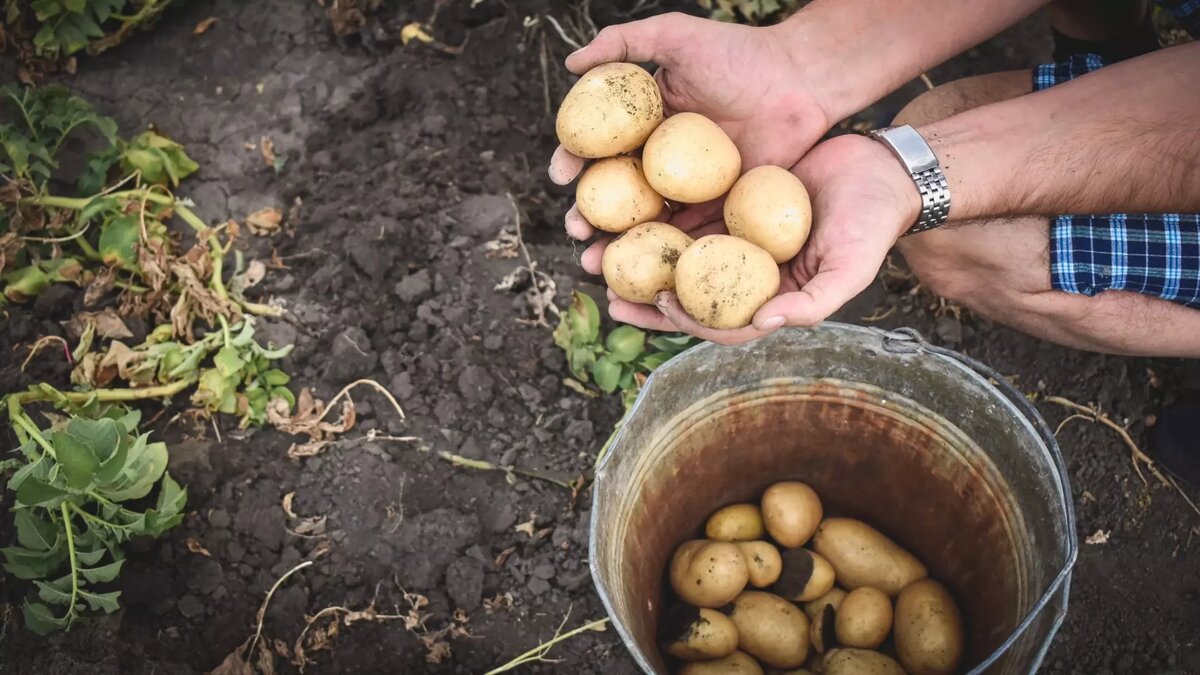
<point x="927" y="445"/>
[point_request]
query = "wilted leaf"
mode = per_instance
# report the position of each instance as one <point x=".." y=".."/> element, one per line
<point x="194" y="546"/>
<point x="203" y="26"/>
<point x="267" y="146"/>
<point x="527" y="527"/>
<point x="106" y="324"/>
<point x="265" y="222"/>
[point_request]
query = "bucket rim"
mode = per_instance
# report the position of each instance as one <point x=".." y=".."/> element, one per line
<point x="899" y="341"/>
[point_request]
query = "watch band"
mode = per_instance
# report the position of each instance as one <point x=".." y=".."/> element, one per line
<point x="926" y="172"/>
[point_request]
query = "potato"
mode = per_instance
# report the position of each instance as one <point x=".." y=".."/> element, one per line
<point x="698" y="634"/>
<point x="864" y="618"/>
<point x="708" y="573"/>
<point x="614" y="196"/>
<point x="863" y="556"/>
<point x="611" y="110"/>
<point x="806" y="576"/>
<point x="737" y="663"/>
<point x="929" y="629"/>
<point x="821" y="632"/>
<point x="690" y="159"/>
<point x="770" y="629"/>
<point x="736" y="522"/>
<point x="833" y="598"/>
<point x="791" y="513"/>
<point x="769" y="206"/>
<point x="860" y="662"/>
<point x="641" y="263"/>
<point x="762" y="561"/>
<point x="721" y="280"/>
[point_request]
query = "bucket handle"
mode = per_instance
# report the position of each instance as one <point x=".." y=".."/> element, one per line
<point x="909" y="341"/>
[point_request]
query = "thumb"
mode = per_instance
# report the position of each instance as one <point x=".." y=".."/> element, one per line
<point x="823" y="295"/>
<point x="652" y="40"/>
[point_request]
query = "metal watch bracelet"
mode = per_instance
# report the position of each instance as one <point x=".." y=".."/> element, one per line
<point x="922" y="165"/>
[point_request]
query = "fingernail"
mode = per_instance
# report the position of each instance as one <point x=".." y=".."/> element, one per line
<point x="772" y="323"/>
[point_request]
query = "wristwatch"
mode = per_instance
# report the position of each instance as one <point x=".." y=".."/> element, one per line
<point x="922" y="165"/>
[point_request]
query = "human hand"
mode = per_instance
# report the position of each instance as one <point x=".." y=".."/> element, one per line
<point x="863" y="200"/>
<point x="747" y="80"/>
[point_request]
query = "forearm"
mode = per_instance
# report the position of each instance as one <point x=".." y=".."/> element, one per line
<point x="870" y="48"/>
<point x="1122" y="139"/>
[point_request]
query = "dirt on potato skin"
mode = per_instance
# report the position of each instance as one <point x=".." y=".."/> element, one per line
<point x="402" y="159"/>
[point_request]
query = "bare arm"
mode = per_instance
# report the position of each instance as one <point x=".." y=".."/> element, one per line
<point x="1125" y="138"/>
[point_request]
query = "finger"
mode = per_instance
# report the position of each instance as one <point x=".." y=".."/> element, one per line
<point x="656" y="39"/>
<point x="642" y="316"/>
<point x="564" y="166"/>
<point x="823" y="295"/>
<point x="593" y="258"/>
<point x="694" y="216"/>
<point x="668" y="304"/>
<point x="577" y="226"/>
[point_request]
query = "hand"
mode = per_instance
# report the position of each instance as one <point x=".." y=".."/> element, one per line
<point x="747" y="80"/>
<point x="863" y="200"/>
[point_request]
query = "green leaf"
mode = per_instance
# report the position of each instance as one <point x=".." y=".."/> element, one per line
<point x="25" y="283"/>
<point x="103" y="574"/>
<point x="228" y="362"/>
<point x="626" y="380"/>
<point x="275" y="377"/>
<point x="650" y="362"/>
<point x="581" y="360"/>
<point x="34" y="492"/>
<point x="585" y="318"/>
<point x="102" y="601"/>
<point x="115" y="464"/>
<point x="160" y="159"/>
<point x="119" y="240"/>
<point x="77" y="461"/>
<point x="24" y="563"/>
<point x="171" y="497"/>
<point x="607" y="373"/>
<point x="34" y="533"/>
<point x="625" y="343"/>
<point x="275" y="354"/>
<point x="49" y="594"/>
<point x="76" y="6"/>
<point x="146" y="472"/>
<point x="285" y="394"/>
<point x="90" y="557"/>
<point x="40" y="620"/>
<point x="672" y="343"/>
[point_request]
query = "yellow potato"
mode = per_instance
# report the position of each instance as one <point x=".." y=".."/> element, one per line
<point x="613" y="195"/>
<point x="929" y="629"/>
<point x="737" y="663"/>
<point x="860" y="662"/>
<point x="864" y="618"/>
<point x="721" y="281"/>
<point x="806" y="576"/>
<point x="736" y="522"/>
<point x="641" y="263"/>
<point x="770" y="629"/>
<point x="762" y="561"/>
<point x="791" y="513"/>
<point x="863" y="556"/>
<point x="833" y="598"/>
<point x="822" y="632"/>
<point x="708" y="573"/>
<point x="690" y="159"/>
<point x="769" y="206"/>
<point x="611" y="110"/>
<point x="699" y="634"/>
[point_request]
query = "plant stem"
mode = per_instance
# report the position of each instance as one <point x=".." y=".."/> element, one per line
<point x="66" y="516"/>
<point x="22" y="420"/>
<point x="538" y="653"/>
<point x="112" y="395"/>
<point x="96" y="519"/>
<point x="87" y="248"/>
<point x="225" y="330"/>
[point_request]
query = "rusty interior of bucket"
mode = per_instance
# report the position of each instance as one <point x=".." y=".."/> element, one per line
<point x="906" y="473"/>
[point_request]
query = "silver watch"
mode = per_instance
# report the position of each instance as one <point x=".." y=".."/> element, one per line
<point x="922" y="165"/>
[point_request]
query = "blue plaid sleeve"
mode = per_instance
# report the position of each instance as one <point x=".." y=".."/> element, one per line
<point x="1186" y="12"/>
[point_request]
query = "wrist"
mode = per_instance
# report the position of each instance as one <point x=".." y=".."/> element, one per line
<point x="887" y="169"/>
<point x="818" y="61"/>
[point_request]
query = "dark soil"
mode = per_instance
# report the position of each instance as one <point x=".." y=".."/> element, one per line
<point x="400" y="163"/>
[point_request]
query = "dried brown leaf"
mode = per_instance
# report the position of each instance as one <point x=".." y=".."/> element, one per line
<point x="267" y="146"/>
<point x="108" y="324"/>
<point x="504" y="555"/>
<point x="527" y="527"/>
<point x="499" y="601"/>
<point x="265" y="222"/>
<point x="287" y="504"/>
<point x="309" y="449"/>
<point x="311" y="526"/>
<point x="235" y="663"/>
<point x="194" y="546"/>
<point x="203" y="26"/>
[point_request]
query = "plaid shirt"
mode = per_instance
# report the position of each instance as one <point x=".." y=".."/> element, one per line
<point x="1186" y="12"/>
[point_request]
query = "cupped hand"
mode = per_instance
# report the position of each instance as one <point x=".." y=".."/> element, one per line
<point x="748" y="80"/>
<point x="862" y="199"/>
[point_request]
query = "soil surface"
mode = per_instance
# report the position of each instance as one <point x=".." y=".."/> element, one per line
<point x="402" y="162"/>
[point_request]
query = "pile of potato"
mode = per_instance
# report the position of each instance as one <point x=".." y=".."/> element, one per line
<point x="749" y="602"/>
<point x="721" y="280"/>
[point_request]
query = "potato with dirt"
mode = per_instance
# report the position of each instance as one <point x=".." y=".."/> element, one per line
<point x="833" y="599"/>
<point x="762" y="561"/>
<point x="822" y="634"/>
<point x="690" y="159"/>
<point x="929" y="629"/>
<point x="708" y="573"/>
<point x="640" y="263"/>
<point x="770" y="629"/>
<point x="791" y="513"/>
<point x="864" y="618"/>
<point x="769" y="206"/>
<point x="611" y="110"/>
<point x="805" y="577"/>
<point x="721" y="281"/>
<point x="736" y="522"/>
<point x="850" y="661"/>
<point x="613" y="195"/>
<point x="737" y="663"/>
<point x="698" y="634"/>
<point x="863" y="556"/>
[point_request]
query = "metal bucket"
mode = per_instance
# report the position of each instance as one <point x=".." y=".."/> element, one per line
<point x="929" y="446"/>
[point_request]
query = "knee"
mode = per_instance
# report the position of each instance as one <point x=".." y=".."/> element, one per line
<point x="959" y="96"/>
<point x="942" y="263"/>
